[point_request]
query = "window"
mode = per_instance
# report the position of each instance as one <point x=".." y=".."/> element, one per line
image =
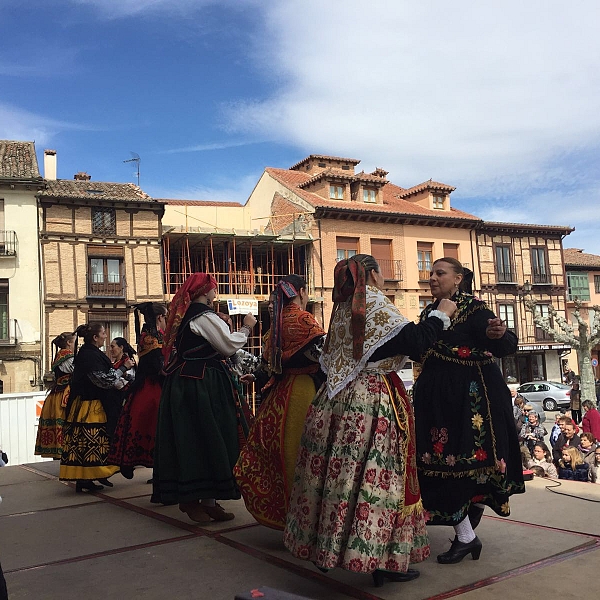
<point x="544" y="311"/>
<point x="381" y="250"/>
<point x="424" y="259"/>
<point x="424" y="302"/>
<point x="503" y="264"/>
<point x="4" y="329"/>
<point x="438" y="202"/>
<point x="104" y="221"/>
<point x="346" y="247"/>
<point x="369" y="195"/>
<point x="451" y="251"/>
<point x="105" y="277"/>
<point x="336" y="192"/>
<point x="345" y="167"/>
<point x="538" y="265"/>
<point x="507" y="313"/>
<point x="322" y="165"/>
<point x="578" y="286"/>
<point x="597" y="284"/>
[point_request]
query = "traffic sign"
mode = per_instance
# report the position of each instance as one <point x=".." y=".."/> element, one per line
<point x="594" y="362"/>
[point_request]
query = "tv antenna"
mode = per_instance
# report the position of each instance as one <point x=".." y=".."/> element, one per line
<point x="136" y="159"/>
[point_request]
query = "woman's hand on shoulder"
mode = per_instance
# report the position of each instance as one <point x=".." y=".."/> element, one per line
<point x="496" y="328"/>
<point x="447" y="306"/>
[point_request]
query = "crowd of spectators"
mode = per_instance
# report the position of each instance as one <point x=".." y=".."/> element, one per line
<point x="574" y="451"/>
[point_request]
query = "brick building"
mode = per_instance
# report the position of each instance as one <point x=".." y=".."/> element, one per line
<point x="20" y="295"/>
<point x="345" y="213"/>
<point x="101" y="253"/>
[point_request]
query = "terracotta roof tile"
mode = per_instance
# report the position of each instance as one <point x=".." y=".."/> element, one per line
<point x="352" y="161"/>
<point x="392" y="203"/>
<point x="86" y="190"/>
<point x="528" y="227"/>
<point x="435" y="186"/>
<point x="574" y="257"/>
<point x="18" y="160"/>
<point x="197" y="202"/>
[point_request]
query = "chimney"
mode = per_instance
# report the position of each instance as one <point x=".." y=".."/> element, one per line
<point x="50" y="165"/>
<point x="82" y="176"/>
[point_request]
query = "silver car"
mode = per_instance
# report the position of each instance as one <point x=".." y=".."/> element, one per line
<point x="550" y="394"/>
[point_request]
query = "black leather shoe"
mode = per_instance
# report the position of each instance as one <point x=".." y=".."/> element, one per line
<point x="380" y="576"/>
<point x="475" y="513"/>
<point x="85" y="485"/>
<point x="459" y="550"/>
<point x="106" y="482"/>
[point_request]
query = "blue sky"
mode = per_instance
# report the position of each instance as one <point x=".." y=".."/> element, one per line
<point x="500" y="100"/>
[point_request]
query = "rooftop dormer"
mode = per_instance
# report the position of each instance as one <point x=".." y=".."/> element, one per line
<point x="317" y="163"/>
<point x="430" y="194"/>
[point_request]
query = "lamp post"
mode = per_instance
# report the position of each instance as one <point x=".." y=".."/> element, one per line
<point x="524" y="291"/>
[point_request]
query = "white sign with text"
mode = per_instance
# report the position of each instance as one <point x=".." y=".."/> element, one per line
<point x="242" y="306"/>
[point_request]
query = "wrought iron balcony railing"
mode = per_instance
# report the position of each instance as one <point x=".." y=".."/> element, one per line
<point x="8" y="243"/>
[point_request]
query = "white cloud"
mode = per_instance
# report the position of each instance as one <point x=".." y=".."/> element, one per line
<point x="207" y="147"/>
<point x="472" y="91"/>
<point x="498" y="99"/>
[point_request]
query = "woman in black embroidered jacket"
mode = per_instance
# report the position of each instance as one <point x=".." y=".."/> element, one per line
<point x="92" y="401"/>
<point x="467" y="447"/>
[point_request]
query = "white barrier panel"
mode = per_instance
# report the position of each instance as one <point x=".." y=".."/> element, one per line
<point x="19" y="417"/>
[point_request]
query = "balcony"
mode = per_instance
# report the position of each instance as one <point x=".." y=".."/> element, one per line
<point x="505" y="277"/>
<point x="8" y="332"/>
<point x="540" y="277"/>
<point x="106" y="287"/>
<point x="8" y="243"/>
<point x="391" y="269"/>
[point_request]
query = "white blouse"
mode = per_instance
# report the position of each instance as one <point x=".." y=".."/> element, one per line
<point x="216" y="332"/>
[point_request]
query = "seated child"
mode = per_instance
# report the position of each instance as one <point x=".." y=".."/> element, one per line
<point x="541" y="458"/>
<point x="571" y="465"/>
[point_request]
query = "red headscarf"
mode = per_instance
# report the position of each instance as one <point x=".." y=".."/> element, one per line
<point x="350" y="280"/>
<point x="197" y="284"/>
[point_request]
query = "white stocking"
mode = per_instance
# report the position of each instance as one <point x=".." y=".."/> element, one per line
<point x="464" y="531"/>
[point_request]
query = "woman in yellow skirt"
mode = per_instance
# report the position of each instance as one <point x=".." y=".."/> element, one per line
<point x="49" y="439"/>
<point x="265" y="469"/>
<point x="92" y="397"/>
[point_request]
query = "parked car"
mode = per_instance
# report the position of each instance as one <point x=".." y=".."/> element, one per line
<point x="550" y="394"/>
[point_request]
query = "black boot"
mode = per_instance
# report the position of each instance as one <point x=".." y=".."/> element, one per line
<point x="380" y="576"/>
<point x="459" y="550"/>
<point x="87" y="485"/>
<point x="106" y="482"/>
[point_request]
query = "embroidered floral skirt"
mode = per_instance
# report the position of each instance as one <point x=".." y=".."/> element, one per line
<point x="86" y="443"/>
<point x="467" y="445"/>
<point x="265" y="469"/>
<point x="355" y="502"/>
<point x="132" y="443"/>
<point x="49" y="439"/>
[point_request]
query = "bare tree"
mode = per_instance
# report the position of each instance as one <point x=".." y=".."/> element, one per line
<point x="579" y="337"/>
